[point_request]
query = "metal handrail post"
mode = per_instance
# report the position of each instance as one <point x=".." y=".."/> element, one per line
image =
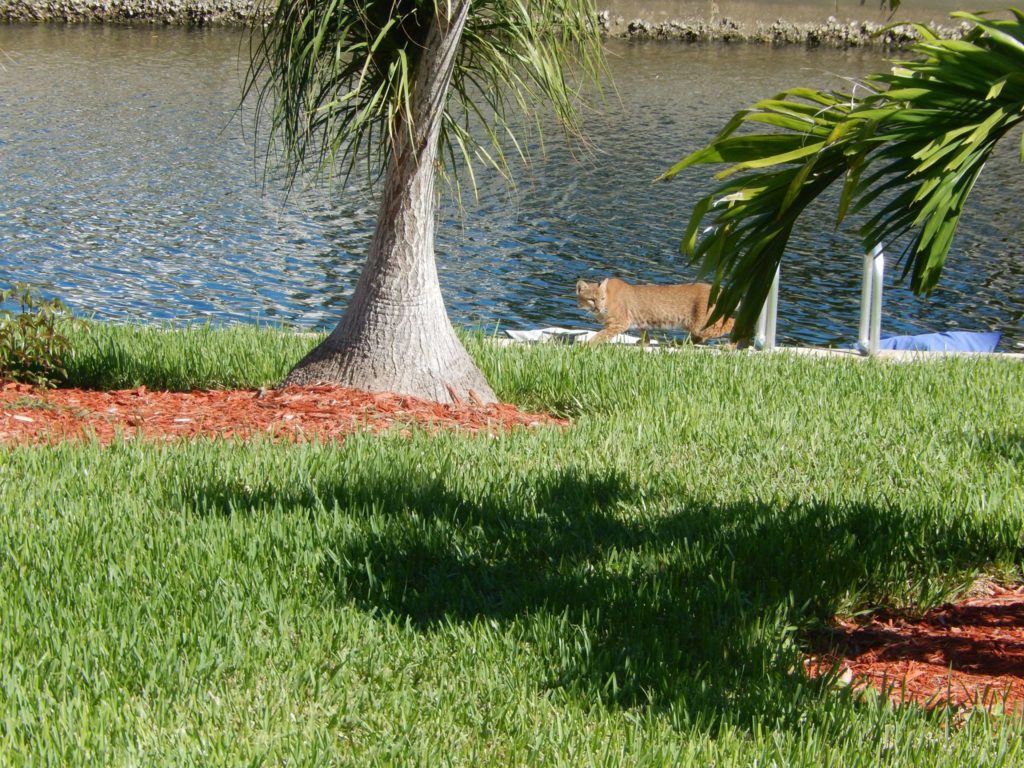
<point x="764" y="331"/>
<point x="759" y="329"/>
<point x="877" y="269"/>
<point x="773" y="313"/>
<point x="867" y="336"/>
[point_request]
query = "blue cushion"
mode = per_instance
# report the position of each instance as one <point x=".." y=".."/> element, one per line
<point x="947" y="341"/>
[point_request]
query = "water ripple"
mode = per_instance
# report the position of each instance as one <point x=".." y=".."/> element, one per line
<point x="133" y="192"/>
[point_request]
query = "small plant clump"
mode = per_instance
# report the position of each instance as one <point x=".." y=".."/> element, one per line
<point x="32" y="346"/>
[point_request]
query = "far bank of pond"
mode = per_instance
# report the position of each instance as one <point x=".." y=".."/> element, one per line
<point x="832" y="23"/>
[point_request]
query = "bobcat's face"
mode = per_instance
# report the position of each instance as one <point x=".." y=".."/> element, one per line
<point x="591" y="297"/>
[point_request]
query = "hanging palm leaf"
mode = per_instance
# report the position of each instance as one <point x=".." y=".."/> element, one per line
<point x="913" y="145"/>
<point x="335" y="78"/>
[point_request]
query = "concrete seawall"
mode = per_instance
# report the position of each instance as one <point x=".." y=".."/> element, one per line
<point x="834" y="23"/>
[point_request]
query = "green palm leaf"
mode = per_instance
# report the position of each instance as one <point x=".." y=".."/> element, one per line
<point x="917" y="141"/>
<point x="333" y="79"/>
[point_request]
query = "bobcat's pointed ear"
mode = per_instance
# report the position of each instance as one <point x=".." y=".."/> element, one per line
<point x="604" y="284"/>
<point x="580" y="285"/>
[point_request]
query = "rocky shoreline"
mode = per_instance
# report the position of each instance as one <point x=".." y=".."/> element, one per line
<point x="176" y="12"/>
<point x="831" y="32"/>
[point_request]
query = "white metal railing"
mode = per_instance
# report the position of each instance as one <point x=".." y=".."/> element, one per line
<point x="871" y="302"/>
<point x="870" y="308"/>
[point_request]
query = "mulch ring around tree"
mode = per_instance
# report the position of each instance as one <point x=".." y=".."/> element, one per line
<point x="968" y="655"/>
<point x="28" y="415"/>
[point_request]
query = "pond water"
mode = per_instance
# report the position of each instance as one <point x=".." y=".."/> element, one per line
<point x="131" y="189"/>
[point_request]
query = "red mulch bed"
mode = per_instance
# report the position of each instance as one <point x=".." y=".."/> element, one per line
<point x="966" y="655"/>
<point x="28" y="415"/>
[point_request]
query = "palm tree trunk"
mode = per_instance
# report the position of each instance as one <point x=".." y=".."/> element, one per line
<point x="395" y="335"/>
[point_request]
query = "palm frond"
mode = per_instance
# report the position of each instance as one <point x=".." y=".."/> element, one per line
<point x="334" y="78"/>
<point x="916" y="144"/>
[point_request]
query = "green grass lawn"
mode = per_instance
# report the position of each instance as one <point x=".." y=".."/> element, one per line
<point x="633" y="590"/>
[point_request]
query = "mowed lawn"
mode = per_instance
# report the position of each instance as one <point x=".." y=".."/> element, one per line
<point x="636" y="589"/>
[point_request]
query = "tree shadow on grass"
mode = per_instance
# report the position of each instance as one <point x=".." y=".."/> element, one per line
<point x="700" y="606"/>
<point x="1005" y="444"/>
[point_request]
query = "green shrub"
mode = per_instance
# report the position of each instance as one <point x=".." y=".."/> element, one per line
<point x="32" y="347"/>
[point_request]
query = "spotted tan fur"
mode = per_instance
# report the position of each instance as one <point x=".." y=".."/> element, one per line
<point x="619" y="306"/>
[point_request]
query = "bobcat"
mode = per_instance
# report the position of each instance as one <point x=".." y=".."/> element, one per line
<point x="620" y="306"/>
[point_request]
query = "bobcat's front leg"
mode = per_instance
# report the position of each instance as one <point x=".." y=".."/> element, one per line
<point x="608" y="332"/>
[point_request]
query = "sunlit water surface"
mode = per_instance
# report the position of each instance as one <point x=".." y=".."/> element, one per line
<point x="131" y="189"/>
